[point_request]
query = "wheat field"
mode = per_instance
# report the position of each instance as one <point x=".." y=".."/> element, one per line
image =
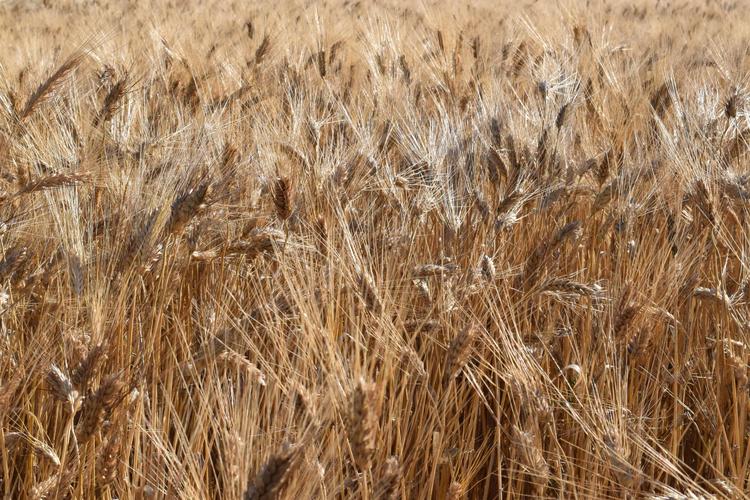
<point x="376" y="250"/>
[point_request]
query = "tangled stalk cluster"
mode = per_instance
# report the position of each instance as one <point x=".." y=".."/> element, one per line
<point x="368" y="250"/>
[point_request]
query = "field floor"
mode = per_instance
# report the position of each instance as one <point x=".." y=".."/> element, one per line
<point x="374" y="249"/>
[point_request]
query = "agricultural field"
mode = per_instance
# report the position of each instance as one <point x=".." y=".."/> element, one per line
<point x="374" y="249"/>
